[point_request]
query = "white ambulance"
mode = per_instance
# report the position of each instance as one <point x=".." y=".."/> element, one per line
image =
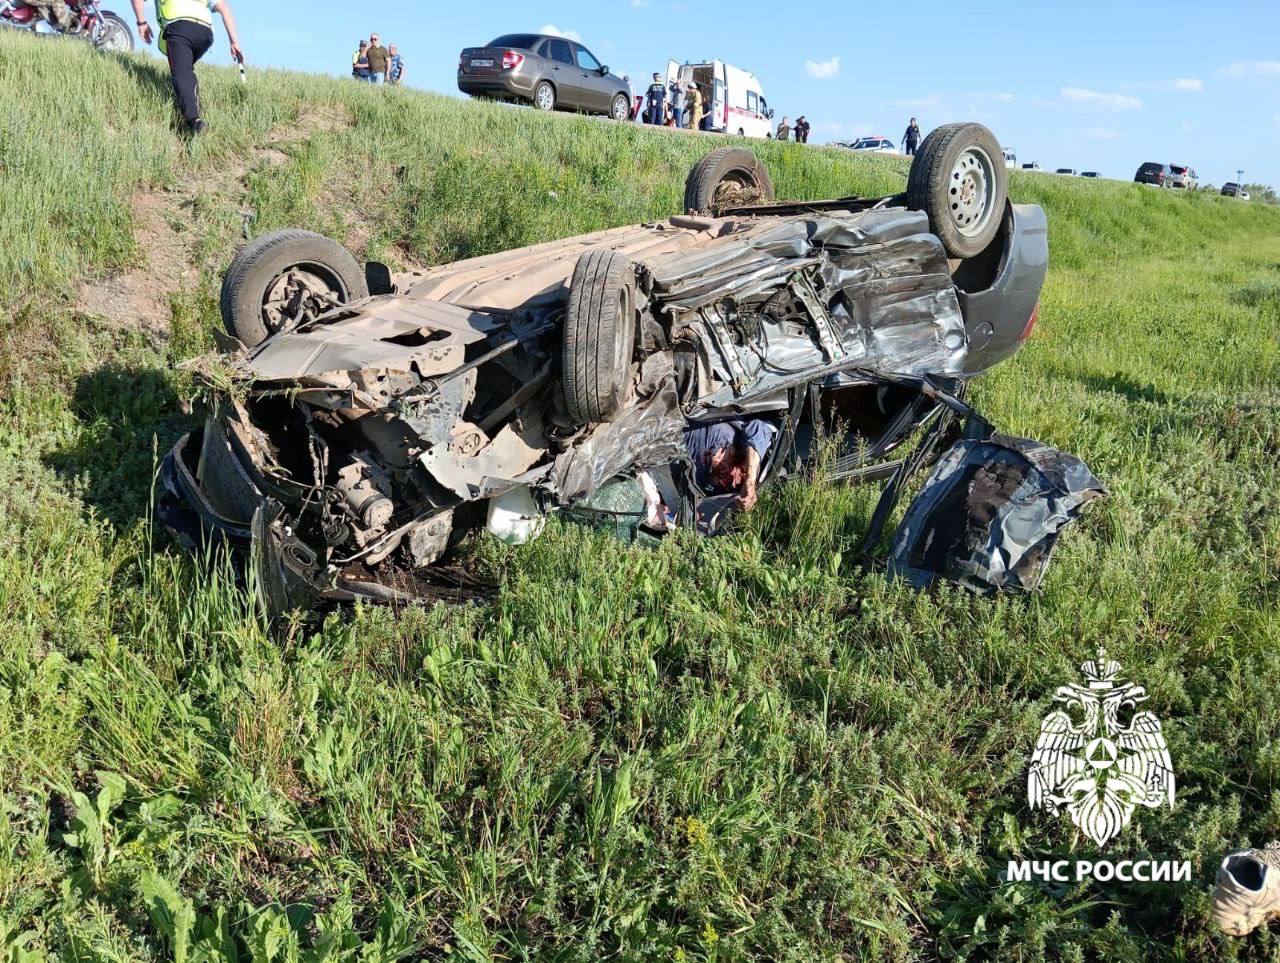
<point x="733" y="97"/>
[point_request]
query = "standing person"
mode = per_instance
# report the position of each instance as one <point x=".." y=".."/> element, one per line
<point x="379" y="61"/>
<point x="656" y="100"/>
<point x="802" y="130"/>
<point x="784" y="130"/>
<point x="186" y="34"/>
<point x="694" y="106"/>
<point x="360" y="62"/>
<point x="677" y="103"/>
<point x="911" y="139"/>
<point x="397" y="66"/>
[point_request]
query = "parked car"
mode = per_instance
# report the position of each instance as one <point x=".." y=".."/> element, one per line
<point x="733" y="97"/>
<point x="877" y="144"/>
<point x="1090" y="174"/>
<point x="1011" y="158"/>
<point x="1243" y="195"/>
<point x="1033" y="166"/>
<point x="370" y="419"/>
<point x="549" y="72"/>
<point x="1153" y="173"/>
<point x="1067" y="171"/>
<point x="1183" y="177"/>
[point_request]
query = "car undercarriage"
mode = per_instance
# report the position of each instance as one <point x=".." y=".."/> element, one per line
<point x="352" y="437"/>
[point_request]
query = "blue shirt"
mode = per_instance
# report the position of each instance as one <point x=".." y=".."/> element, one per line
<point x="702" y="441"/>
<point x="397" y="66"/>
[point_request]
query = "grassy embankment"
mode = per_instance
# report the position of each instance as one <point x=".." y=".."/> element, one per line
<point x="739" y="748"/>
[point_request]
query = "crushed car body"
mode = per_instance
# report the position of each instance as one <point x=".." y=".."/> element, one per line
<point x="352" y="439"/>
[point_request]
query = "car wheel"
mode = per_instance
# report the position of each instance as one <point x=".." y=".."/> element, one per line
<point x="544" y="96"/>
<point x="957" y="179"/>
<point x="621" y="109"/>
<point x="599" y="336"/>
<point x="278" y="277"/>
<point x="114" y="34"/>
<point x="726" y="177"/>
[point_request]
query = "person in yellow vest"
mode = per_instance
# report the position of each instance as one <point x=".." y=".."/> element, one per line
<point x="186" y="34"/>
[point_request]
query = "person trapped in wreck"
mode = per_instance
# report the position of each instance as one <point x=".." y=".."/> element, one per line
<point x="727" y="456"/>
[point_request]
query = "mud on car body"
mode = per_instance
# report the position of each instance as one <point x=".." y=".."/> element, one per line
<point x="356" y="436"/>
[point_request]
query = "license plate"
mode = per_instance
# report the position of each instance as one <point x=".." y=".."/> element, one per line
<point x="482" y="63"/>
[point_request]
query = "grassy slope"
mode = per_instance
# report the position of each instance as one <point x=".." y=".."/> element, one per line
<point x="737" y="748"/>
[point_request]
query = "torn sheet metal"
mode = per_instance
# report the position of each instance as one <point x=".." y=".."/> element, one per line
<point x="990" y="514"/>
<point x="643" y="436"/>
<point x="871" y="289"/>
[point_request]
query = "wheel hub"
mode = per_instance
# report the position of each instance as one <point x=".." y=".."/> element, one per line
<point x="972" y="191"/>
<point x="293" y="292"/>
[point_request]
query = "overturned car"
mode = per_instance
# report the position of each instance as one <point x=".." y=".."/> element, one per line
<point x="362" y="422"/>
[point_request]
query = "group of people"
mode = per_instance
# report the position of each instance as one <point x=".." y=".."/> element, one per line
<point x="801" y="130"/>
<point x="375" y="64"/>
<point x="671" y="105"/>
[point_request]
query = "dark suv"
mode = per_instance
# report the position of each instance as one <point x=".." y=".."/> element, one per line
<point x="547" y="71"/>
<point x="1160" y="175"/>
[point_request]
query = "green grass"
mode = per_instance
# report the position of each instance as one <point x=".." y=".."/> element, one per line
<point x="740" y="748"/>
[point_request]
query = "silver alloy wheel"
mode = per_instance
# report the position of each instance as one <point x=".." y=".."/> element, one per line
<point x="972" y="196"/>
<point x="544" y="97"/>
<point x="621" y="108"/>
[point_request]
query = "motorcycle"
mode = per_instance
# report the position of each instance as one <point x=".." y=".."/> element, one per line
<point x="102" y="28"/>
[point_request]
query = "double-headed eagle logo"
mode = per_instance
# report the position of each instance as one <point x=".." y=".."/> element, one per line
<point x="1100" y="768"/>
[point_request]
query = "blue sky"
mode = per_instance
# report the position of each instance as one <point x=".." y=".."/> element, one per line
<point x="1085" y="84"/>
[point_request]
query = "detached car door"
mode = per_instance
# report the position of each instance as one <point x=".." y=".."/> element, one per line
<point x="595" y="88"/>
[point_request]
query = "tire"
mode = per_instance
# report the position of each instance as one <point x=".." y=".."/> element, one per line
<point x="599" y="336"/>
<point x="959" y="179"/>
<point x="621" y="109"/>
<point x="115" y="34"/>
<point x="726" y="177"/>
<point x="544" y="96"/>
<point x="286" y="263"/>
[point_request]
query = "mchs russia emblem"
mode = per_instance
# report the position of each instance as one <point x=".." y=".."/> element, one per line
<point x="1097" y="757"/>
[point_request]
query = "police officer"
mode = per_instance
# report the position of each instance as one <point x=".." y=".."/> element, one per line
<point x="186" y="34"/>
<point x="911" y="139"/>
<point x="656" y="101"/>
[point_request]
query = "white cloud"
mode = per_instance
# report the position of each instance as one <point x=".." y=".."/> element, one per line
<point x="639" y="3"/>
<point x="1192" y="85"/>
<point x="1103" y="133"/>
<point x="929" y="102"/>
<point x="552" y="30"/>
<point x="1252" y="68"/>
<point x="822" y="69"/>
<point x="1081" y="95"/>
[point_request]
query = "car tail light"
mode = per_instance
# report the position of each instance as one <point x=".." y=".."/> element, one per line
<point x="511" y="60"/>
<point x="1031" y="322"/>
